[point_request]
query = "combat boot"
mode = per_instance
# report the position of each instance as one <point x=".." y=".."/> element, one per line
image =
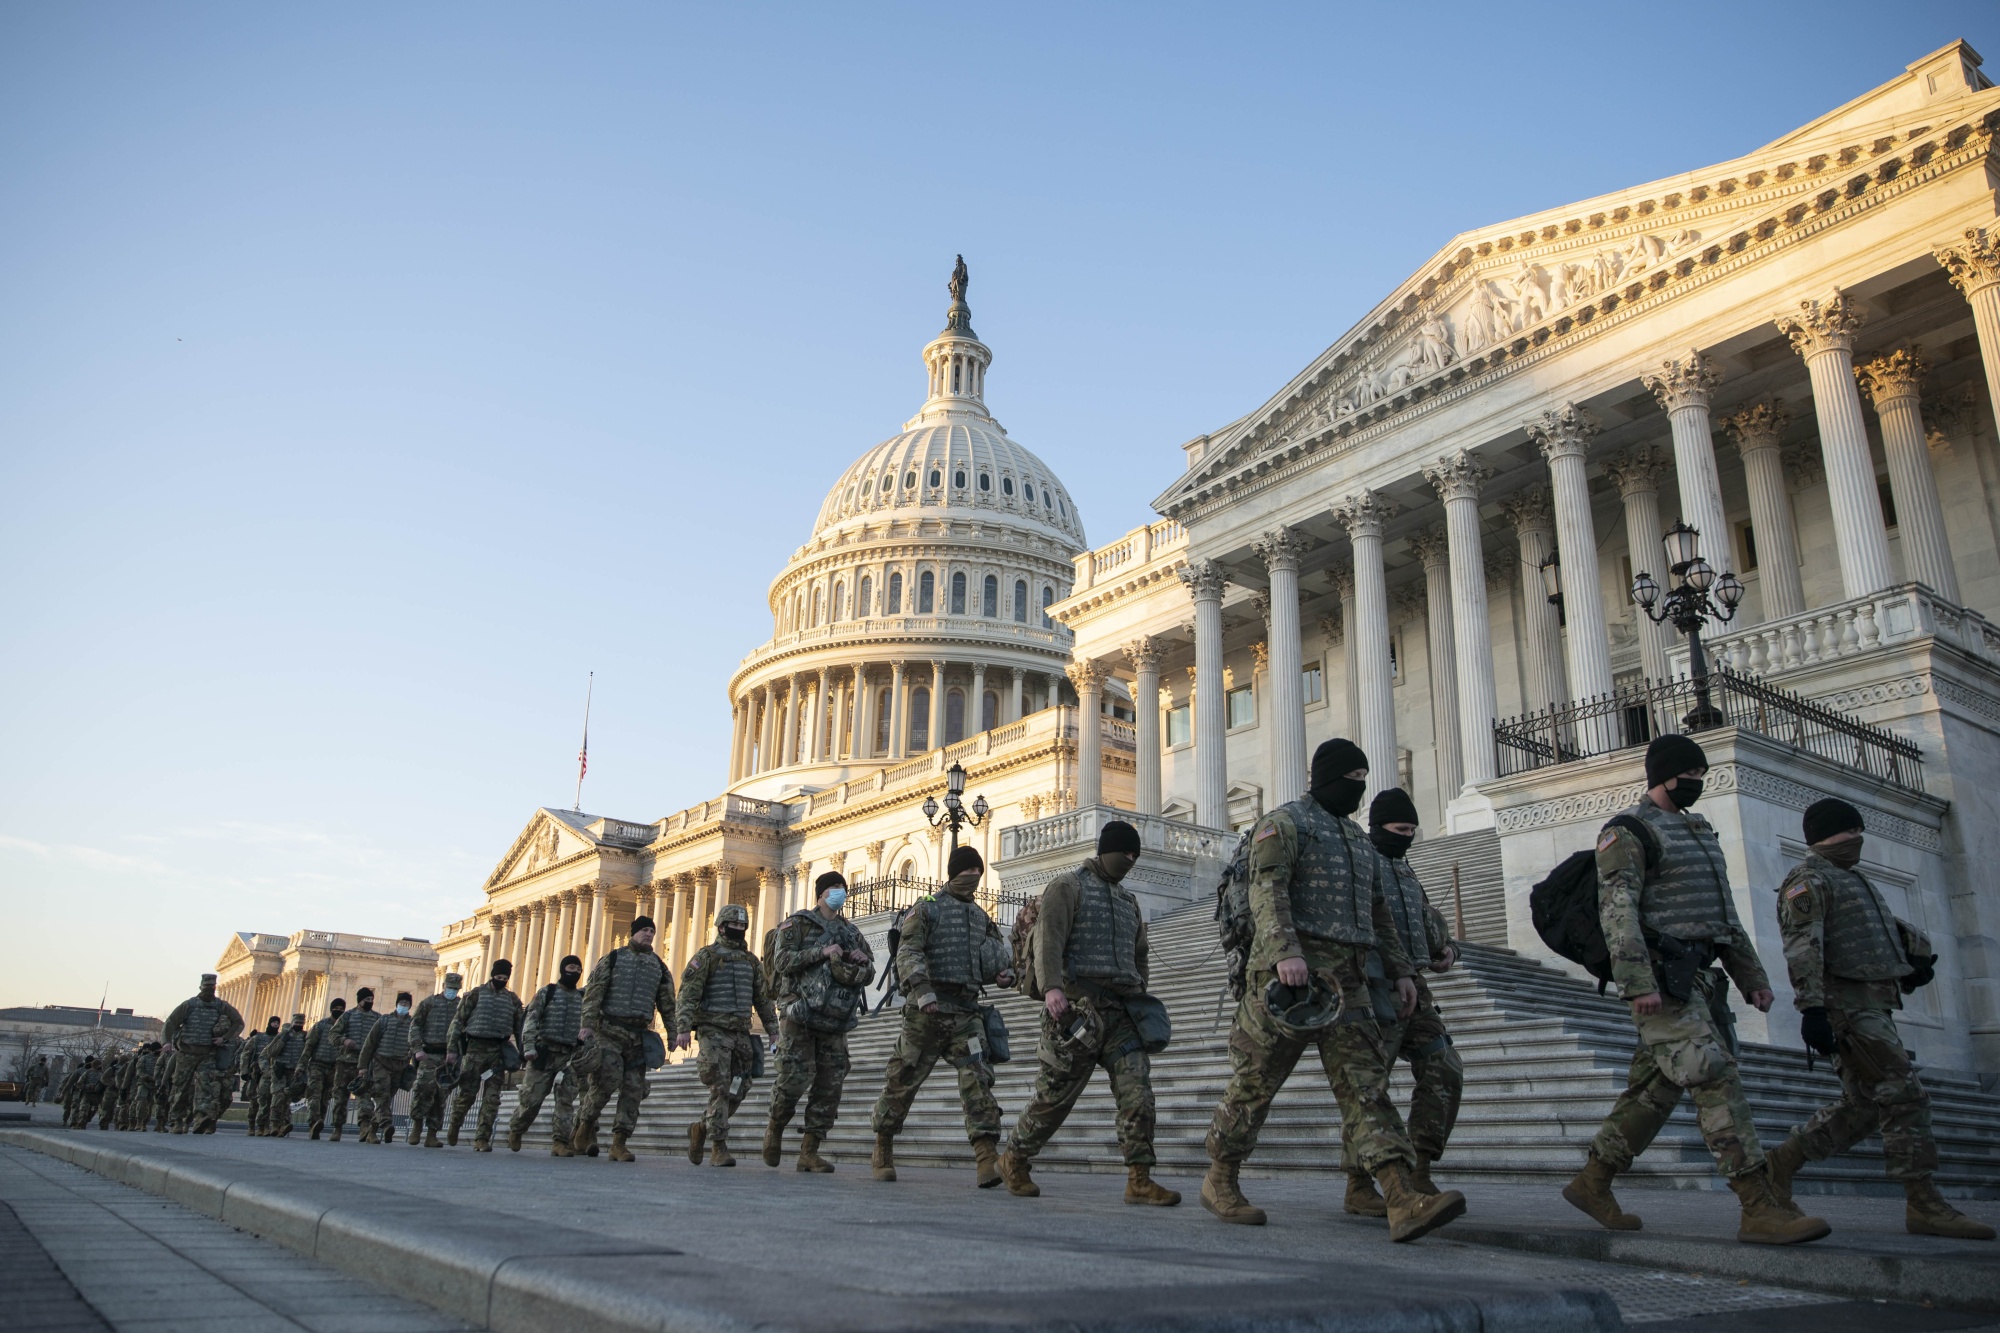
<point x="1220" y="1196"/>
<point x="1769" y="1218"/>
<point x="182" y="1129"/>
<point x="389" y="1132"/>
<point x="1014" y="1170"/>
<point x="1591" y="1192"/>
<point x="368" y="1135"/>
<point x="883" y="1161"/>
<point x="1363" y="1199"/>
<point x="809" y="1158"/>
<point x="1784" y="1162"/>
<point x="1413" y="1213"/>
<point x="451" y="1134"/>
<point x="697" y="1140"/>
<point x="431" y="1139"/>
<point x="284" y="1130"/>
<point x="718" y="1152"/>
<point x="986" y="1156"/>
<point x="559" y="1147"/>
<point x="513" y="1138"/>
<point x="1420" y="1176"/>
<point x="774" y="1143"/>
<point x="583" y="1139"/>
<point x="316" y="1127"/>
<point x="1927" y="1214"/>
<point x="482" y="1145"/>
<point x="1140" y="1187"/>
<point x="619" y="1152"/>
<point x="334" y="1137"/>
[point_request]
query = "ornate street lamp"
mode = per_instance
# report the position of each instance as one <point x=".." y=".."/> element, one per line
<point x="1689" y="607"/>
<point x="955" y="814"/>
<point x="1552" y="585"/>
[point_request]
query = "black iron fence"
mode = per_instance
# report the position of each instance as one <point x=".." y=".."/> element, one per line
<point x="892" y="893"/>
<point x="1723" y="698"/>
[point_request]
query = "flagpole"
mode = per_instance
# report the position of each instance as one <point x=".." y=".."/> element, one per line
<point x="583" y="755"/>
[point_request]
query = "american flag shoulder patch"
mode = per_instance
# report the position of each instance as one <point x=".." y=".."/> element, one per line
<point x="1605" y="839"/>
<point x="1268" y="831"/>
<point x="1797" y="889"/>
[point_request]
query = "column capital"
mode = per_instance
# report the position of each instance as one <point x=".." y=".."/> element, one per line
<point x="1458" y="476"/>
<point x="1499" y="569"/>
<point x="1410" y="596"/>
<point x="1973" y="266"/>
<point x="1261" y="601"/>
<point x="1432" y="547"/>
<point x="1637" y="471"/>
<point x="1143" y="653"/>
<point x="1684" y="382"/>
<point x="874" y="849"/>
<point x="1804" y="465"/>
<point x="898" y="664"/>
<point x="1822" y="326"/>
<point x="1342" y="577"/>
<point x="1562" y="432"/>
<point x="1363" y="513"/>
<point x="1758" y="426"/>
<point x="724" y="869"/>
<point x="1086" y="675"/>
<point x="1894" y="375"/>
<point x="1280" y="549"/>
<point x="1330" y="627"/>
<point x="1204" y="579"/>
<point x="1260" y="657"/>
<point x="1530" y="510"/>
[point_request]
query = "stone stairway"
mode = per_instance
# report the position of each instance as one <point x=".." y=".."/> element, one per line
<point x="1481" y="883"/>
<point x="1544" y="1055"/>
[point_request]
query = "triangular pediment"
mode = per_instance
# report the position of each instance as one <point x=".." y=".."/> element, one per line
<point x="547" y="839"/>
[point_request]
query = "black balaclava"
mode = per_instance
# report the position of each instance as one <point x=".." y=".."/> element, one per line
<point x="272" y="1024"/>
<point x="1670" y="756"/>
<point x="1826" y="818"/>
<point x="565" y="975"/>
<point x="337" y="1008"/>
<point x="1335" y="792"/>
<point x="1392" y="806"/>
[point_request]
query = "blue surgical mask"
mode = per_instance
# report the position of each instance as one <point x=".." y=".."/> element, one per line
<point x="835" y="898"/>
<point x="451" y="992"/>
<point x="402" y="1008"/>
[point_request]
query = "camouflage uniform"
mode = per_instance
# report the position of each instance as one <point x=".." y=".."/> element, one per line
<point x="250" y="1069"/>
<point x="163" y="1086"/>
<point x="385" y="1054"/>
<point x="1353" y="1052"/>
<point x="1066" y="1067"/>
<point x="1680" y="1049"/>
<point x="347" y="1034"/>
<point x="197" y="1097"/>
<point x="37" y="1080"/>
<point x="549" y="1038"/>
<point x="614" y="1059"/>
<point x="282" y="1060"/>
<point x="89" y="1092"/>
<point x="488" y="1017"/>
<point x="956" y="1032"/>
<point x="812" y="1049"/>
<point x="427" y="1096"/>
<point x="720" y="987"/>
<point x="319" y="1060"/>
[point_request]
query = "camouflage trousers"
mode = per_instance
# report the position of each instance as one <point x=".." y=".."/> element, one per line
<point x="319" y="1090"/>
<point x="137" y="1108"/>
<point x="724" y="1060"/>
<point x="925" y="1039"/>
<point x="1436" y="1074"/>
<point x="427" y="1096"/>
<point x="1681" y="1051"/>
<point x="374" y="1107"/>
<point x="1065" y="1073"/>
<point x="482" y="1072"/>
<point x="197" y="1089"/>
<point x="612" y="1064"/>
<point x="344" y="1071"/>
<point x="1352" y="1052"/>
<point x="272" y="1111"/>
<point x="1879" y="1090"/>
<point x="253" y="1092"/>
<point x="107" y="1108"/>
<point x="537" y="1081"/>
<point x="812" y="1065"/>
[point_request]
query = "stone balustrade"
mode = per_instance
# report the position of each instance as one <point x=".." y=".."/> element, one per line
<point x="1134" y="548"/>
<point x="1851" y="628"/>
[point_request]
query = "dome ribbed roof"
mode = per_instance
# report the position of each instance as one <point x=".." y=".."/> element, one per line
<point x="961" y="464"/>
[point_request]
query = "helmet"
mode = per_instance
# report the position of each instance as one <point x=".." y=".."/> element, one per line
<point x="1081" y="1028"/>
<point x="731" y="914"/>
<point x="1302" y="1012"/>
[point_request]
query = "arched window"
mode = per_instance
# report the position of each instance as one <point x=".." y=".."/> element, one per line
<point x="864" y="605"/>
<point x="839" y="604"/>
<point x="1006" y="485"/>
<point x="926" y="593"/>
<point x="909" y="870"/>
<point x="799" y="611"/>
<point x="989" y="598"/>
<point x="1028" y="491"/>
<point x="868" y="487"/>
<point x="920" y="718"/>
<point x="910" y="480"/>
<point x="882" y="708"/>
<point x="954" y="717"/>
<point x="989" y="711"/>
<point x="1021" y="601"/>
<point x="1048" y="599"/>
<point x="958" y="593"/>
<point x="895" y="594"/>
<point x="819" y="600"/>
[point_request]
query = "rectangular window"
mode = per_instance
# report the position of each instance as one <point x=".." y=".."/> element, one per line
<point x="1180" y="727"/>
<point x="1888" y="502"/>
<point x="1746" y="546"/>
<point x="1314" y="684"/>
<point x="1242" y="707"/>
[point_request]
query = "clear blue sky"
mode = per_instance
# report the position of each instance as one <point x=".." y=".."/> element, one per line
<point x="372" y="373"/>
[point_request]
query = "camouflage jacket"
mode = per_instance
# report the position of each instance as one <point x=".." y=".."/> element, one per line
<point x="1621" y="880"/>
<point x="688" y="1013"/>
<point x="913" y="964"/>
<point x="1274" y="851"/>
<point x="1802" y="923"/>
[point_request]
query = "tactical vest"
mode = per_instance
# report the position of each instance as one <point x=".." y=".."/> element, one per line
<point x="824" y="1004"/>
<point x="635" y="985"/>
<point x="146" y="1063"/>
<point x="493" y="1017"/>
<point x="1862" y="942"/>
<point x="957" y="926"/>
<point x="198" y="1025"/>
<point x="290" y="1043"/>
<point x="1104" y="938"/>
<point x="1333" y="878"/>
<point x="562" y="1016"/>
<point x="324" y="1052"/>
<point x="731" y="987"/>
<point x="1407" y="903"/>
<point x="1687" y="894"/>
<point x="360" y="1022"/>
<point x="439" y="1010"/>
<point x="394" y="1043"/>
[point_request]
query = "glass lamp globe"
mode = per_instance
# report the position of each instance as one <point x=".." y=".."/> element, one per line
<point x="1728" y="591"/>
<point x="1700" y="575"/>
<point x="1644" y="590"/>
<point x="930" y="807"/>
<point x="1683" y="546"/>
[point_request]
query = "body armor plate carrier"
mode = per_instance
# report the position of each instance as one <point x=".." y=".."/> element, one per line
<point x="198" y="1027"/>
<point x="562" y="1017"/>
<point x="1333" y="879"/>
<point x="1408" y="905"/>
<point x="360" y="1022"/>
<point x="1687" y="894"/>
<point x="956" y="928"/>
<point x="822" y="1003"/>
<point x="438" y="1013"/>
<point x="634" y="985"/>
<point x="731" y="983"/>
<point x="493" y="1017"/>
<point x="1104" y="938"/>
<point x="1862" y="941"/>
<point x="394" y="1043"/>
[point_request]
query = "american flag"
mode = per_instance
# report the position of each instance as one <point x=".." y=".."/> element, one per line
<point x="583" y="755"/>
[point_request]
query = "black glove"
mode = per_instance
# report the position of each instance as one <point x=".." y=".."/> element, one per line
<point x="1923" y="970"/>
<point x="1817" y="1030"/>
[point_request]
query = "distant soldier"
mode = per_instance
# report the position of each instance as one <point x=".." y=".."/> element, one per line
<point x="948" y="950"/>
<point x="114" y="1079"/>
<point x="1090" y="960"/>
<point x="37" y="1080"/>
<point x="89" y="1090"/>
<point x="823" y="968"/>
<point x="488" y="1018"/>
<point x="433" y="1027"/>
<point x="283" y="1057"/>
<point x="347" y="1033"/>
<point x="549" y="1037"/>
<point x="201" y="1030"/>
<point x="250" y="1069"/>
<point x="66" y="1090"/>
<point x="385" y="1054"/>
<point x="135" y="1092"/>
<point x="1851" y="963"/>
<point x="163" y="1086"/>
<point x="720" y="986"/>
<point x="1664" y="901"/>
<point x="626" y="989"/>
<point x="320" y="1060"/>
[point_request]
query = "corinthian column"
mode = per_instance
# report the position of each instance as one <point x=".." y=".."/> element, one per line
<point x="1534" y="520"/>
<point x="1144" y="655"/>
<point x="1823" y="333"/>
<point x="1433" y="550"/>
<point x="822" y="715"/>
<point x="1363" y="515"/>
<point x="532" y="964"/>
<point x="1205" y="581"/>
<point x="1457" y="479"/>
<point x="899" y="727"/>
<point x="1975" y="270"/>
<point x="1280" y="551"/>
<point x="1350" y="677"/>
<point x="975" y="708"/>
<point x="1683" y="388"/>
<point x="1563" y="436"/>
<point x="1895" y="384"/>
<point x="937" y="704"/>
<point x="767" y="745"/>
<point x="1088" y="678"/>
<point x="1636" y="473"/>
<point x="1759" y="432"/>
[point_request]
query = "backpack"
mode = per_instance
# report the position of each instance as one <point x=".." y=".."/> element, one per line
<point x="1233" y="923"/>
<point x="1024" y="947"/>
<point x="894" y="984"/>
<point x="1564" y="905"/>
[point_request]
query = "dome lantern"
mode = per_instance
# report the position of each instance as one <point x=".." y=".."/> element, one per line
<point x="956" y="359"/>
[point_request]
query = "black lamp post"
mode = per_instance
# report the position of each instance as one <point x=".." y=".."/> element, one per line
<point x="1552" y="585"/>
<point x="1688" y="606"/>
<point x="955" y="814"/>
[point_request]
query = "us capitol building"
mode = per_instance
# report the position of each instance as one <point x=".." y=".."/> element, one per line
<point x="1426" y="538"/>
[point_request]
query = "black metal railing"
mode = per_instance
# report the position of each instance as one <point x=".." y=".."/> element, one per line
<point x="1723" y="698"/>
<point x="892" y="893"/>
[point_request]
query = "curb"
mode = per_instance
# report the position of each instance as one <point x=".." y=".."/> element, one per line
<point x="509" y="1273"/>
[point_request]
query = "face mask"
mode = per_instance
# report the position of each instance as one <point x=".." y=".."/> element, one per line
<point x="836" y="898"/>
<point x="1846" y="855"/>
<point x="451" y="992"/>
<point x="1341" y="796"/>
<point x="1686" y="792"/>
<point x="570" y="979"/>
<point x="734" y="934"/>
<point x="402" y="1008"/>
<point x="1390" y="844"/>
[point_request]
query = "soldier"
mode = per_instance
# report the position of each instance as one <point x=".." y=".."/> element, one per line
<point x="37" y="1079"/>
<point x="163" y="1086"/>
<point x="488" y="1018"/>
<point x="1320" y="920"/>
<point x="137" y="1077"/>
<point x="66" y="1091"/>
<point x="1436" y="1074"/>
<point x="1667" y="909"/>
<point x="626" y="988"/>
<point x="347" y="1034"/>
<point x="385" y="1054"/>
<point x="107" y="1100"/>
<point x="949" y="949"/>
<point x="250" y="1068"/>
<point x="720" y="986"/>
<point x="320" y="1059"/>
<point x="200" y="1029"/>
<point x="1851" y="963"/>
<point x="549" y="1037"/>
<point x="433" y="1027"/>
<point x="822" y="967"/>
<point x="283" y="1057"/>
<point x="1089" y="956"/>
<point x="86" y="1087"/>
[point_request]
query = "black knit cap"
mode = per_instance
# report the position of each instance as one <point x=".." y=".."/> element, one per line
<point x="1392" y="806"/>
<point x="832" y="879"/>
<point x="1830" y="816"/>
<point x="1118" y="836"/>
<point x="569" y="958"/>
<point x="365" y="993"/>
<point x="503" y="968"/>
<point x="964" y="859"/>
<point x="1670" y="756"/>
<point x="1336" y="759"/>
<point x="641" y="922"/>
<point x="337" y="1005"/>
